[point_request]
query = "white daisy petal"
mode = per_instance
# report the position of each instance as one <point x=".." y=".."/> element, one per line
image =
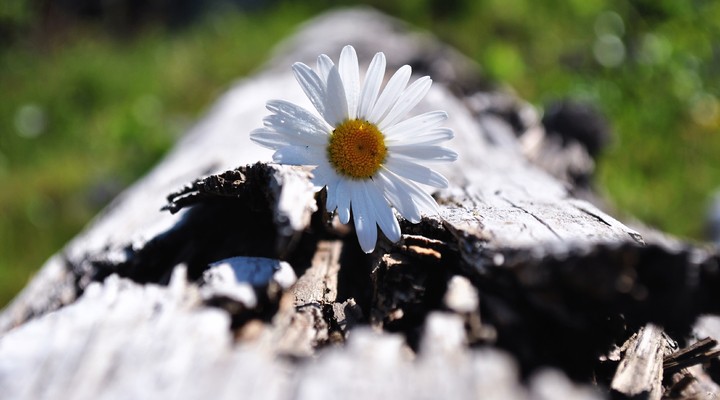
<point x="324" y="64"/>
<point x="335" y="102"/>
<point x="271" y="139"/>
<point x="373" y="80"/>
<point x="363" y="216"/>
<point x="423" y="153"/>
<point x="350" y="74"/>
<point x="343" y="200"/>
<point x="383" y="213"/>
<point x="416" y="125"/>
<point x="296" y="131"/>
<point x="421" y="199"/>
<point x="297" y="155"/>
<point x="297" y="114"/>
<point x="331" y="202"/>
<point x="324" y="175"/>
<point x="435" y="136"/>
<point x="398" y="198"/>
<point x="409" y="98"/>
<point x="311" y="84"/>
<point x="415" y="172"/>
<point x="390" y="94"/>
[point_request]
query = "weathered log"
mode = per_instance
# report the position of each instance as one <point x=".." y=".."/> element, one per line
<point x="515" y="286"/>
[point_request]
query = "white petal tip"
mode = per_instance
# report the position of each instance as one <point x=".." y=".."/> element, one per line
<point x="394" y="238"/>
<point x="256" y="136"/>
<point x="344" y="217"/>
<point x="367" y="250"/>
<point x="324" y="58"/>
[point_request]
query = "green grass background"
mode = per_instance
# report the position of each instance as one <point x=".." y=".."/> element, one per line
<point x="85" y="111"/>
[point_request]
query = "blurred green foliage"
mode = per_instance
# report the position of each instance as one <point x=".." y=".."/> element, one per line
<point x="84" y="111"/>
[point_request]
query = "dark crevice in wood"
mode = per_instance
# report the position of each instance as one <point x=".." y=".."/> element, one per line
<point x="229" y="215"/>
<point x="354" y="275"/>
<point x="238" y="183"/>
<point x="539" y="337"/>
<point x="410" y="281"/>
<point x="406" y="291"/>
<point x="712" y="367"/>
<point x="432" y="229"/>
<point x="209" y="232"/>
<point x="566" y="310"/>
<point x="301" y="258"/>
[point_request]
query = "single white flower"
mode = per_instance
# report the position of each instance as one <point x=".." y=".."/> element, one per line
<point x="364" y="151"/>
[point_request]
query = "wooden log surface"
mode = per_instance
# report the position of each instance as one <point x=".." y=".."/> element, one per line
<point x="515" y="288"/>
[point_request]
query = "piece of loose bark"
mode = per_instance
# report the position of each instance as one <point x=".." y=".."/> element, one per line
<point x="640" y="372"/>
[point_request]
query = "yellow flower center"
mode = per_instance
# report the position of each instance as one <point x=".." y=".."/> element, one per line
<point x="356" y="149"/>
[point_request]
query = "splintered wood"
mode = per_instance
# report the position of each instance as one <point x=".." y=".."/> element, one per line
<point x="304" y="325"/>
<point x="641" y="370"/>
<point x="318" y="285"/>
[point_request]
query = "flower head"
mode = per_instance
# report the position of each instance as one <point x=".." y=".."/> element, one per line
<point x="364" y="150"/>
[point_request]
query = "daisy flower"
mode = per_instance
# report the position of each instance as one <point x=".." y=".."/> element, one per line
<point x="363" y="149"/>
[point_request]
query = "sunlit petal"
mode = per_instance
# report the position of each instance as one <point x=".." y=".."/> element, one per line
<point x="390" y="94"/>
<point x="350" y="75"/>
<point x="371" y="88"/>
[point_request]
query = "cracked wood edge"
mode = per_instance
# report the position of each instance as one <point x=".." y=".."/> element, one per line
<point x="499" y="197"/>
<point x="301" y="327"/>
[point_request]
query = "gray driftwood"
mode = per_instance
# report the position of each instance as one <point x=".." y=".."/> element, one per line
<point x="517" y="287"/>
